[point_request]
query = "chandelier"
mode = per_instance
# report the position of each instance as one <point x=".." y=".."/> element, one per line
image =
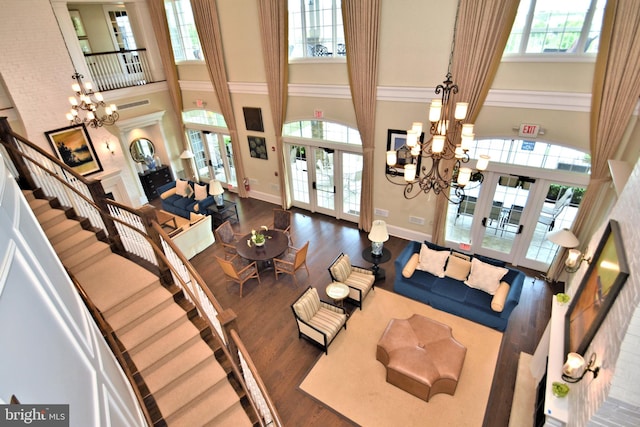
<point x="438" y="164"/>
<point x="89" y="101"/>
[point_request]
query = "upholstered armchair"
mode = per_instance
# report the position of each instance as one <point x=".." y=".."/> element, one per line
<point x="228" y="238"/>
<point x="359" y="280"/>
<point x="318" y="321"/>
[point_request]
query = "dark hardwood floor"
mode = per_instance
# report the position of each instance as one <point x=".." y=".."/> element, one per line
<point x="267" y="327"/>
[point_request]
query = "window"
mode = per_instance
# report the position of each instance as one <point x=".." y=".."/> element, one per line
<point x="182" y="30"/>
<point x="315" y="29"/>
<point x="122" y="32"/>
<point x="318" y="129"/>
<point x="552" y="27"/>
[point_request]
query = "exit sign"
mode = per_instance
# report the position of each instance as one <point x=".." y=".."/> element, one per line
<point x="527" y="130"/>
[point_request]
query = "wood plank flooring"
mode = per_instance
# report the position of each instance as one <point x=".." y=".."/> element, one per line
<point x="266" y="323"/>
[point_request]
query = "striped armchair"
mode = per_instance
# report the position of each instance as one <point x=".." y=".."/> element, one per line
<point x="359" y="280"/>
<point x="318" y="321"/>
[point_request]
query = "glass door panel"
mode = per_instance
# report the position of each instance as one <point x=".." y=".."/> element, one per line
<point x="352" y="183"/>
<point x="324" y="180"/>
<point x="299" y="176"/>
<point x="200" y="157"/>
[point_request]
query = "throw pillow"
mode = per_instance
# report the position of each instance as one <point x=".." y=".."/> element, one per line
<point x="183" y="188"/>
<point x="432" y="261"/>
<point x="485" y="277"/>
<point x="170" y="192"/>
<point x="458" y="267"/>
<point x="341" y="269"/>
<point x="497" y="303"/>
<point x="200" y="191"/>
<point x="410" y="266"/>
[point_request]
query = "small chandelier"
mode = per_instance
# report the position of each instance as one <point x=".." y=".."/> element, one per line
<point x="87" y="100"/>
<point x="449" y="139"/>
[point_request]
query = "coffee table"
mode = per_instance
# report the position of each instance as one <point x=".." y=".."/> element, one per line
<point x="165" y="218"/>
<point x="337" y="291"/>
<point x="274" y="246"/>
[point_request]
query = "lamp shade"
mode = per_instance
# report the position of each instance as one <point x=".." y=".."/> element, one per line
<point x="574" y="367"/>
<point x="378" y="231"/>
<point x="563" y="237"/>
<point x="215" y="188"/>
<point x="187" y="154"/>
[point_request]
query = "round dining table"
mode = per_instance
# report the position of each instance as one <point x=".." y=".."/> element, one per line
<point x="276" y="244"/>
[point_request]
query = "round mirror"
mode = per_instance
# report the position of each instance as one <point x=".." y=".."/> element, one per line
<point x="141" y="148"/>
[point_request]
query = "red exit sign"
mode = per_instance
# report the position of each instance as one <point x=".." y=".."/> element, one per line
<point x="527" y="130"/>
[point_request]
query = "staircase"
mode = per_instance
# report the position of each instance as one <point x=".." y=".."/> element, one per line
<point x="174" y="356"/>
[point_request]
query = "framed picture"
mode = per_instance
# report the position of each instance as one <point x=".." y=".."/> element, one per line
<point x="73" y="146"/>
<point x="258" y="147"/>
<point x="253" y="119"/>
<point x="607" y="273"/>
<point x="77" y="23"/>
<point x="397" y="141"/>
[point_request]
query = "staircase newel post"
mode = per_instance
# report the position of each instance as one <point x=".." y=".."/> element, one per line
<point x="99" y="198"/>
<point x="228" y="322"/>
<point x="148" y="214"/>
<point x="24" y="178"/>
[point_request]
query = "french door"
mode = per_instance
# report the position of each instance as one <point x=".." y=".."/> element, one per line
<point x="213" y="156"/>
<point x="325" y="180"/>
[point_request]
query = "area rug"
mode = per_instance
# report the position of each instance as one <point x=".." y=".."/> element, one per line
<point x="352" y="382"/>
<point x="524" y="395"/>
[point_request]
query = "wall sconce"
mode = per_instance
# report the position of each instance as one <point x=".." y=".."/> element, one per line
<point x="574" y="260"/>
<point x="378" y="235"/>
<point x="575" y="368"/>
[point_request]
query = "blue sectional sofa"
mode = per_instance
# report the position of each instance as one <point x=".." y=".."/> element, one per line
<point x="454" y="296"/>
<point x="184" y="206"/>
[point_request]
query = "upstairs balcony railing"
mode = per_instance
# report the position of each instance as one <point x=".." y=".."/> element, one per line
<point x="119" y="69"/>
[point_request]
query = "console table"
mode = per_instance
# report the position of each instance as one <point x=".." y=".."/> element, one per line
<point x="152" y="179"/>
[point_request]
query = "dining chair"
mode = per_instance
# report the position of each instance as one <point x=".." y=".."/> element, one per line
<point x="282" y="222"/>
<point x="238" y="270"/>
<point x="292" y="261"/>
<point x="225" y="235"/>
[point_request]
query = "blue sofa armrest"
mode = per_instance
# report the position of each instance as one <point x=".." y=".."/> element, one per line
<point x="165" y="187"/>
<point x="515" y="278"/>
<point x="205" y="203"/>
<point x="412" y="248"/>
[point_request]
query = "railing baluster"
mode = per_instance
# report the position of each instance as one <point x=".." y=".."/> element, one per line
<point x="120" y="69"/>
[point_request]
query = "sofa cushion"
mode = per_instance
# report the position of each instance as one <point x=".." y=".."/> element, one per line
<point x="341" y="269"/>
<point x="200" y="192"/>
<point x="458" y="266"/>
<point x="485" y="277"/>
<point x="491" y="261"/>
<point x="497" y="303"/>
<point x="451" y="289"/>
<point x="184" y="203"/>
<point x="432" y="261"/>
<point x="435" y="247"/>
<point x="183" y="188"/>
<point x="411" y="265"/>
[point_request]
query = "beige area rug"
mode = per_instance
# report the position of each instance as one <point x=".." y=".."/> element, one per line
<point x="524" y="395"/>
<point x="352" y="382"/>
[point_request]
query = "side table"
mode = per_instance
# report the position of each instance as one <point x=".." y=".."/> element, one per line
<point x="337" y="291"/>
<point x="375" y="260"/>
<point x="228" y="212"/>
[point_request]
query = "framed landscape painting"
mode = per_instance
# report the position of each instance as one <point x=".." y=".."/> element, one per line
<point x="73" y="146"/>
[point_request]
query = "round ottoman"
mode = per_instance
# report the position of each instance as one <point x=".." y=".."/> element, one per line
<point x="421" y="356"/>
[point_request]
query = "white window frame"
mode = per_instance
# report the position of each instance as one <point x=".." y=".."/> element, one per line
<point x="335" y="45"/>
<point x="184" y="47"/>
<point x="577" y="55"/>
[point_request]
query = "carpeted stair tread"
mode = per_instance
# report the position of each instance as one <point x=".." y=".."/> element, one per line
<point x="62" y="230"/>
<point x="147" y="330"/>
<point x="114" y="280"/>
<point x="75" y="243"/>
<point x="86" y="258"/>
<point x="200" y="408"/>
<point x="207" y="377"/>
<point x="234" y="416"/>
<point x="189" y="356"/>
<point x="164" y="346"/>
<point x="39" y="206"/>
<point x="140" y="307"/>
<point x="51" y="217"/>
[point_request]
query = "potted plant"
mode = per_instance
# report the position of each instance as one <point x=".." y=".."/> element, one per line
<point x="258" y="237"/>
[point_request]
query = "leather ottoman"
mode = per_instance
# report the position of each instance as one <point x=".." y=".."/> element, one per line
<point x="421" y="356"/>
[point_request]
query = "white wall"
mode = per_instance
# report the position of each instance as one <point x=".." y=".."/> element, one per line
<point x="52" y="351"/>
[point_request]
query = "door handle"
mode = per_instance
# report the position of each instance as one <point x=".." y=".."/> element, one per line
<point x="314" y="185"/>
<point x="484" y="222"/>
<point x="520" y="229"/>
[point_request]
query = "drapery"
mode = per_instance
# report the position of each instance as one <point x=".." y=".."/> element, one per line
<point x="361" y="20"/>
<point x="482" y="30"/>
<point x="616" y="89"/>
<point x="161" y="31"/>
<point x="205" y="14"/>
<point x="274" y="30"/>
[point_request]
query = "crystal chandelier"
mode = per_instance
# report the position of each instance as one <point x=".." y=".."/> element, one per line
<point x="89" y="101"/>
<point x="438" y="164"/>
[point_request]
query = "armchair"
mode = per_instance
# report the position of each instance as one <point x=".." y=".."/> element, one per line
<point x="227" y="237"/>
<point x="238" y="270"/>
<point x="318" y="321"/>
<point x="359" y="280"/>
<point x="292" y="261"/>
<point x="282" y="222"/>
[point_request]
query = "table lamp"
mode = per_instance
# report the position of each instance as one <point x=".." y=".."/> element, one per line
<point x="216" y="190"/>
<point x="378" y="235"/>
